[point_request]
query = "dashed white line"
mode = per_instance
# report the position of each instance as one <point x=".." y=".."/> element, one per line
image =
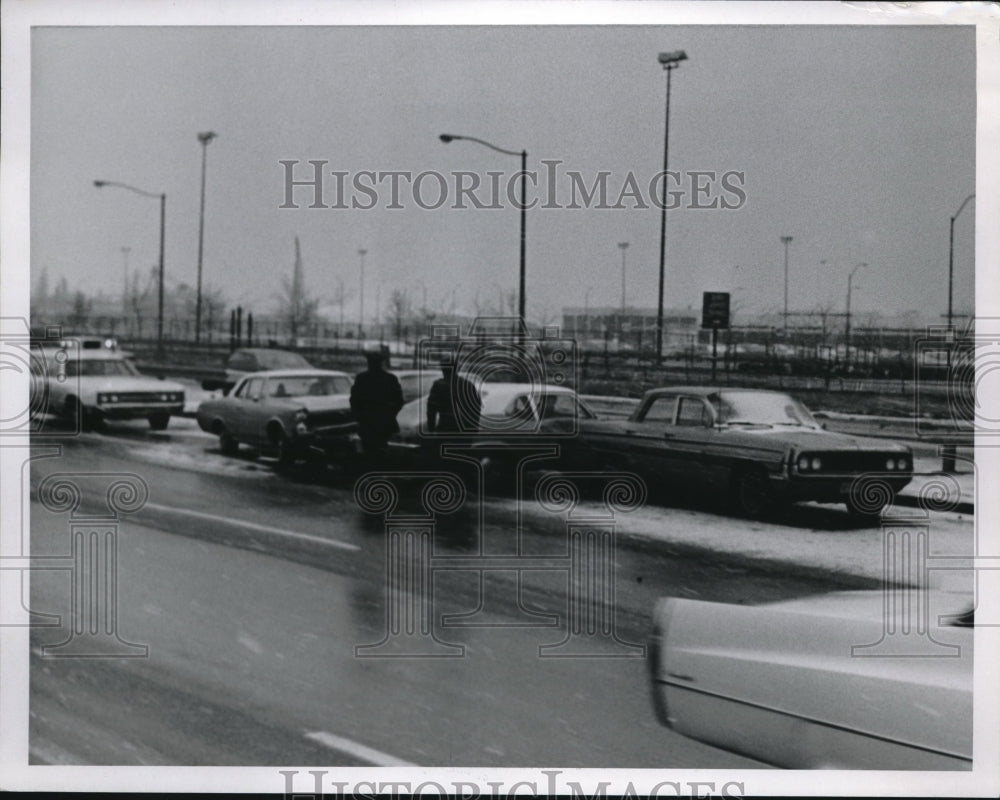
<point x="375" y="757"/>
<point x="305" y="537"/>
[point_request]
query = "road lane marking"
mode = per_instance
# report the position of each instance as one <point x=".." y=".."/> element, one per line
<point x="375" y="757"/>
<point x="305" y="537"/>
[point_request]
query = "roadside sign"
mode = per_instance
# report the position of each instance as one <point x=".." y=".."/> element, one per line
<point x="715" y="310"/>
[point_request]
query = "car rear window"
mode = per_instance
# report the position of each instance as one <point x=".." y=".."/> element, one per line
<point x="308" y="385"/>
<point x="281" y="359"/>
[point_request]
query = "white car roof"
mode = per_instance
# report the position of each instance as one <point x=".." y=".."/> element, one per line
<point x="296" y="373"/>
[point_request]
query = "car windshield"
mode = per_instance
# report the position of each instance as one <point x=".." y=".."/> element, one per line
<point x="280" y="359"/>
<point x="99" y="367"/>
<point x="308" y="385"/>
<point x="761" y="408"/>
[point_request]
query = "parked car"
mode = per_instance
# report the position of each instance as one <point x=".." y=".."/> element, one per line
<point x="90" y="379"/>
<point x="415" y="382"/>
<point x="291" y="413"/>
<point x="757" y="448"/>
<point x="513" y="414"/>
<point x="246" y="360"/>
<point x="797" y="684"/>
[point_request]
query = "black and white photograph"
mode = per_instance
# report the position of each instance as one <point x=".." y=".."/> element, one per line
<point x="499" y="400"/>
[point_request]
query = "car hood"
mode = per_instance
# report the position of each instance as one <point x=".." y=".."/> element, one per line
<point x="113" y="383"/>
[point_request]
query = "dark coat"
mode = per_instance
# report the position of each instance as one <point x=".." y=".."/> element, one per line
<point x="453" y="405"/>
<point x="376" y="398"/>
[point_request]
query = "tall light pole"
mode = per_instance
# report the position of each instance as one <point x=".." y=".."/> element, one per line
<point x="623" y="246"/>
<point x="847" y="326"/>
<point x="951" y="255"/>
<point x="125" y="252"/>
<point x="163" y="222"/>
<point x="340" y="302"/>
<point x="450" y="137"/>
<point x="361" y="311"/>
<point x="785" y="241"/>
<point x="669" y="61"/>
<point x="204" y="138"/>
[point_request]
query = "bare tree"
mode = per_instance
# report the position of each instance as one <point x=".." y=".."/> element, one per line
<point x="81" y="311"/>
<point x="297" y="306"/>
<point x="511" y="303"/>
<point x="400" y="311"/>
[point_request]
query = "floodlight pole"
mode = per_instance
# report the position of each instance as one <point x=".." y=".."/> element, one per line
<point x="669" y="61"/>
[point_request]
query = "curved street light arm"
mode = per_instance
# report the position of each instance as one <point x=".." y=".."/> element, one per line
<point x="965" y="202"/>
<point x="155" y="195"/>
<point x="449" y="137"/>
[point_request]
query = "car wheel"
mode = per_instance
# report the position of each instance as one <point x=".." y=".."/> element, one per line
<point x="73" y="411"/>
<point x="228" y="446"/>
<point x="159" y="422"/>
<point x="751" y="494"/>
<point x="284" y="449"/>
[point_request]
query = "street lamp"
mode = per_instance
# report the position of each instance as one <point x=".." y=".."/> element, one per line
<point x="951" y="255"/>
<point x="669" y="61"/>
<point x="449" y="137"/>
<point x="361" y="310"/>
<point x="125" y="252"/>
<point x="340" y="302"/>
<point x="163" y="220"/>
<point x="785" y="240"/>
<point x="624" y="247"/>
<point x="204" y="138"/>
<point x="847" y="326"/>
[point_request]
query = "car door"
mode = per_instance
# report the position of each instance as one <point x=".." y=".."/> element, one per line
<point x="247" y="411"/>
<point x="692" y="441"/>
<point x="648" y="440"/>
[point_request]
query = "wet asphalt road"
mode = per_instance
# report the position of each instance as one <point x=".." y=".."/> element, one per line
<point x="251" y="590"/>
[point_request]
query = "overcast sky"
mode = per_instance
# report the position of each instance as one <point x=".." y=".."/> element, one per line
<point x="859" y="142"/>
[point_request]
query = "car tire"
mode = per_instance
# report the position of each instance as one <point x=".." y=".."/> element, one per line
<point x="158" y="422"/>
<point x="751" y="495"/>
<point x="284" y="450"/>
<point x="73" y="411"/>
<point x="228" y="446"/>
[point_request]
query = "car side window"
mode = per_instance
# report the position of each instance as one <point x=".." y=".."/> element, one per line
<point x="692" y="412"/>
<point x="241" y="389"/>
<point x="661" y="410"/>
<point x="557" y="405"/>
<point x="254" y="386"/>
<point x="520" y="408"/>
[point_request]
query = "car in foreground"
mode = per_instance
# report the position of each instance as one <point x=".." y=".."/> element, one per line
<point x="290" y="413"/>
<point x="757" y="448"/>
<point x="91" y="380"/>
<point x="247" y="360"/>
<point x="837" y="681"/>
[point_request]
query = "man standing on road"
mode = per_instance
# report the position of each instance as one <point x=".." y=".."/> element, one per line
<point x="376" y="398"/>
<point x="454" y="404"/>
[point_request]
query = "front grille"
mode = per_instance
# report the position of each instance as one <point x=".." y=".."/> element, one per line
<point x="137" y="397"/>
<point x="842" y="462"/>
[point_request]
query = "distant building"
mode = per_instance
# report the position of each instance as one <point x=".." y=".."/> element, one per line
<point x="634" y="328"/>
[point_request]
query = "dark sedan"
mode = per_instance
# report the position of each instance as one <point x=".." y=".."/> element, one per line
<point x="755" y="448"/>
<point x="253" y="359"/>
